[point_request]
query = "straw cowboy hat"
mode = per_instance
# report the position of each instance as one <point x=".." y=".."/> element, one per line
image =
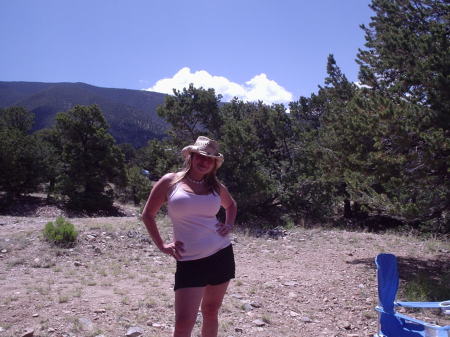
<point x="206" y="147"/>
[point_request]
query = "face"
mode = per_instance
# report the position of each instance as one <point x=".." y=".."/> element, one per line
<point x="202" y="164"/>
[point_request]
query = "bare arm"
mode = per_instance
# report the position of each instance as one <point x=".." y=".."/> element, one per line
<point x="154" y="202"/>
<point x="230" y="207"/>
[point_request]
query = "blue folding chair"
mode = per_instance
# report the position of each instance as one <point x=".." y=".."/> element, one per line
<point x="392" y="323"/>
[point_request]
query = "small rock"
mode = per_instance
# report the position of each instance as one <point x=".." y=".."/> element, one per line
<point x="35" y="315"/>
<point x="259" y="322"/>
<point x="28" y="333"/>
<point x="100" y="311"/>
<point x="290" y="283"/>
<point x="247" y="307"/>
<point x="50" y="330"/>
<point x="293" y="313"/>
<point x="4" y="251"/>
<point x="1" y="329"/>
<point x="306" y="319"/>
<point x="100" y="336"/>
<point x="86" y="324"/>
<point x="134" y="331"/>
<point x="157" y="325"/>
<point x="345" y="325"/>
<point x="77" y="264"/>
<point x="352" y="335"/>
<point x="240" y="330"/>
<point x="292" y="294"/>
<point x="256" y="304"/>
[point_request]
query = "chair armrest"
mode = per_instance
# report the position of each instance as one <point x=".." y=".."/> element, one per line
<point x="414" y="320"/>
<point x="418" y="321"/>
<point x="429" y="305"/>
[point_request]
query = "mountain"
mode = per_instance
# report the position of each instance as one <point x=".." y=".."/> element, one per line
<point x="131" y="114"/>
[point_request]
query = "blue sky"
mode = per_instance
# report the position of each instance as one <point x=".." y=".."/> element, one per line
<point x="273" y="50"/>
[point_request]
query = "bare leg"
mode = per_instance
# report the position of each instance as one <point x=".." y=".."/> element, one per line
<point x="187" y="302"/>
<point x="212" y="301"/>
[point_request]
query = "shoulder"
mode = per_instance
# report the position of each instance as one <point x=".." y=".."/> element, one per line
<point x="223" y="188"/>
<point x="166" y="181"/>
<point x="169" y="178"/>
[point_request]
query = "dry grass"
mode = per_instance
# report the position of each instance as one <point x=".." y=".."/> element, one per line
<point x="311" y="282"/>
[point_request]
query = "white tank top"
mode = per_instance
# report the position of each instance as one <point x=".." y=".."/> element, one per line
<point x="194" y="223"/>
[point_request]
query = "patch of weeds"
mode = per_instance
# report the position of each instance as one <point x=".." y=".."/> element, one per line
<point x="106" y="283"/>
<point x="116" y="269"/>
<point x="57" y="269"/>
<point x="144" y="280"/>
<point x="118" y="291"/>
<point x="379" y="248"/>
<point x="103" y="272"/>
<point x="44" y="324"/>
<point x="433" y="246"/>
<point x="16" y="262"/>
<point x="70" y="273"/>
<point x="5" y="325"/>
<point x="422" y="288"/>
<point x="43" y="290"/>
<point x="61" y="232"/>
<point x="77" y="292"/>
<point x="238" y="283"/>
<point x="91" y="283"/>
<point x="106" y="227"/>
<point x="369" y="315"/>
<point x="148" y="303"/>
<point x="266" y="319"/>
<point x="63" y="298"/>
<point x="125" y="300"/>
<point x="76" y="325"/>
<point x="9" y="299"/>
<point x="225" y="325"/>
<point x="96" y="332"/>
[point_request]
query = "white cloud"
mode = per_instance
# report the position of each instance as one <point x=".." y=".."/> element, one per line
<point x="258" y="88"/>
<point x="359" y="85"/>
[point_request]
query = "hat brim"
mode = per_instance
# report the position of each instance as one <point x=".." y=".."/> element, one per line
<point x="193" y="149"/>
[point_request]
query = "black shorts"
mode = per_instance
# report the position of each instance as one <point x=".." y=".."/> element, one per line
<point x="211" y="270"/>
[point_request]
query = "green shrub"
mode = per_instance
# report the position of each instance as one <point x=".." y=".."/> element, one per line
<point x="424" y="288"/>
<point x="61" y="232"/>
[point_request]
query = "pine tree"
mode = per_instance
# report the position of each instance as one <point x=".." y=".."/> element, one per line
<point x="90" y="160"/>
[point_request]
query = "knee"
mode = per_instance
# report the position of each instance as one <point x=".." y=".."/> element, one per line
<point x="210" y="311"/>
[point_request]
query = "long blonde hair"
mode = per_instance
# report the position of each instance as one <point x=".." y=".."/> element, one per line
<point x="211" y="181"/>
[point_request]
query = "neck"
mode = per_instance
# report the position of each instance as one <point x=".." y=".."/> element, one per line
<point x="197" y="177"/>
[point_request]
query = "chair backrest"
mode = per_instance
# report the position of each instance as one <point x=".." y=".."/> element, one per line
<point x="387" y="275"/>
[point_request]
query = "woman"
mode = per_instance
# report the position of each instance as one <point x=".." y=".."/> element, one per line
<point x="201" y="245"/>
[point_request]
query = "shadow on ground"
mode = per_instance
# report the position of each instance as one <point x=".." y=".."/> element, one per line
<point x="30" y="206"/>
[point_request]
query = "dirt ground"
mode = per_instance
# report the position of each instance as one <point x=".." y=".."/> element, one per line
<point x="304" y="282"/>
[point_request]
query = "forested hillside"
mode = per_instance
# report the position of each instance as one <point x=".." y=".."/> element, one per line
<point x="131" y="114"/>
